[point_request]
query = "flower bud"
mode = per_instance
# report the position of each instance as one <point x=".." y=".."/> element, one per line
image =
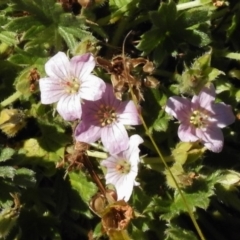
<point x="11" y="121"/>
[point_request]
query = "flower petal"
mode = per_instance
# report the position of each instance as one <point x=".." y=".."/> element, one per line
<point x="69" y="107"/>
<point x="92" y="87"/>
<point x="186" y="133"/>
<point x="223" y="114"/>
<point x="110" y="163"/>
<point x="82" y="66"/>
<point x="109" y="98"/>
<point x="51" y="90"/>
<point x="128" y="114"/>
<point x="204" y="99"/>
<point x="212" y="138"/>
<point x="58" y="67"/>
<point x="115" y="138"/>
<point x="87" y="133"/>
<point x="124" y="188"/>
<point x="179" y="107"/>
<point x="123" y="182"/>
<point x="132" y="153"/>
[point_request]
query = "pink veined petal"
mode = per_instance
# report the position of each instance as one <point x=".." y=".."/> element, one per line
<point x="128" y="114"/>
<point x="69" y="107"/>
<point x="132" y="153"/>
<point x="92" y="87"/>
<point x="212" y="138"/>
<point x="186" y="133"/>
<point x="87" y="133"/>
<point x="223" y="114"/>
<point x="115" y="138"/>
<point x="123" y="184"/>
<point x="110" y="163"/>
<point x="204" y="99"/>
<point x="51" y="90"/>
<point x="109" y="98"/>
<point x="89" y="110"/>
<point x="113" y="176"/>
<point x="82" y="66"/>
<point x="58" y="67"/>
<point x="124" y="188"/>
<point x="179" y="107"/>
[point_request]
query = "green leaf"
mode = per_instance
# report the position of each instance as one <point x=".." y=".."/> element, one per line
<point x="6" y="154"/>
<point x="165" y="17"/>
<point x="7" y="172"/>
<point x="119" y="3"/>
<point x="8" y="38"/>
<point x="176" y="233"/>
<point x="161" y="123"/>
<point x="237" y="96"/>
<point x="53" y="137"/>
<point x="234" y="73"/>
<point x="22" y="24"/>
<point x="82" y="185"/>
<point x="150" y="40"/>
<point x="68" y="38"/>
<point x="8" y="218"/>
<point x="195" y="16"/>
<point x="24" y="178"/>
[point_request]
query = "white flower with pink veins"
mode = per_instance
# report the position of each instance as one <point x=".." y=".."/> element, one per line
<point x="122" y="168"/>
<point x="69" y="82"/>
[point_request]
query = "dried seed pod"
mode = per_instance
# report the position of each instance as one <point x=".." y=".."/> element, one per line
<point x="148" y="67"/>
<point x="151" y="82"/>
<point x="117" y="216"/>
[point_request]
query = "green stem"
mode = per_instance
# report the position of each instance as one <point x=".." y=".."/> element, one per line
<point x="97" y="154"/>
<point x="192" y="4"/>
<point x="98" y="146"/>
<point x="170" y="172"/>
<point x="10" y="99"/>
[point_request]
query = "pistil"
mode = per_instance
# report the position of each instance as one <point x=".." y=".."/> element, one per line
<point x="106" y="115"/>
<point x="72" y="86"/>
<point x="198" y="119"/>
<point x="123" y="166"/>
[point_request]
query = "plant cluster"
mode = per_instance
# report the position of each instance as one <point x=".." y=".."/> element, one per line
<point x="119" y="119"/>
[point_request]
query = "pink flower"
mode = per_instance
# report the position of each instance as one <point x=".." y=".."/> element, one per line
<point x="105" y="119"/>
<point x="122" y="168"/>
<point x="201" y="118"/>
<point x="68" y="82"/>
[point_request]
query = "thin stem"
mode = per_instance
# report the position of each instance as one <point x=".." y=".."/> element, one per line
<point x="96" y="154"/>
<point x="89" y="166"/>
<point x="192" y="4"/>
<point x="157" y="149"/>
<point x="171" y="174"/>
<point x="10" y="99"/>
<point x="98" y="146"/>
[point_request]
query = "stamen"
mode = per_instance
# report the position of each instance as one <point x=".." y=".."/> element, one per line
<point x="106" y="115"/>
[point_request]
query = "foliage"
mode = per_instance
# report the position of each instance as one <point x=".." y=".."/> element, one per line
<point x="49" y="189"/>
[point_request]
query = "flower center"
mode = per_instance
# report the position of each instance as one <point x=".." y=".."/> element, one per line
<point x="106" y="115"/>
<point x="123" y="166"/>
<point x="199" y="119"/>
<point x="72" y="86"/>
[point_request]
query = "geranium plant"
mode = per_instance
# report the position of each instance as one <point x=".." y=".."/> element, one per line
<point x="119" y="119"/>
